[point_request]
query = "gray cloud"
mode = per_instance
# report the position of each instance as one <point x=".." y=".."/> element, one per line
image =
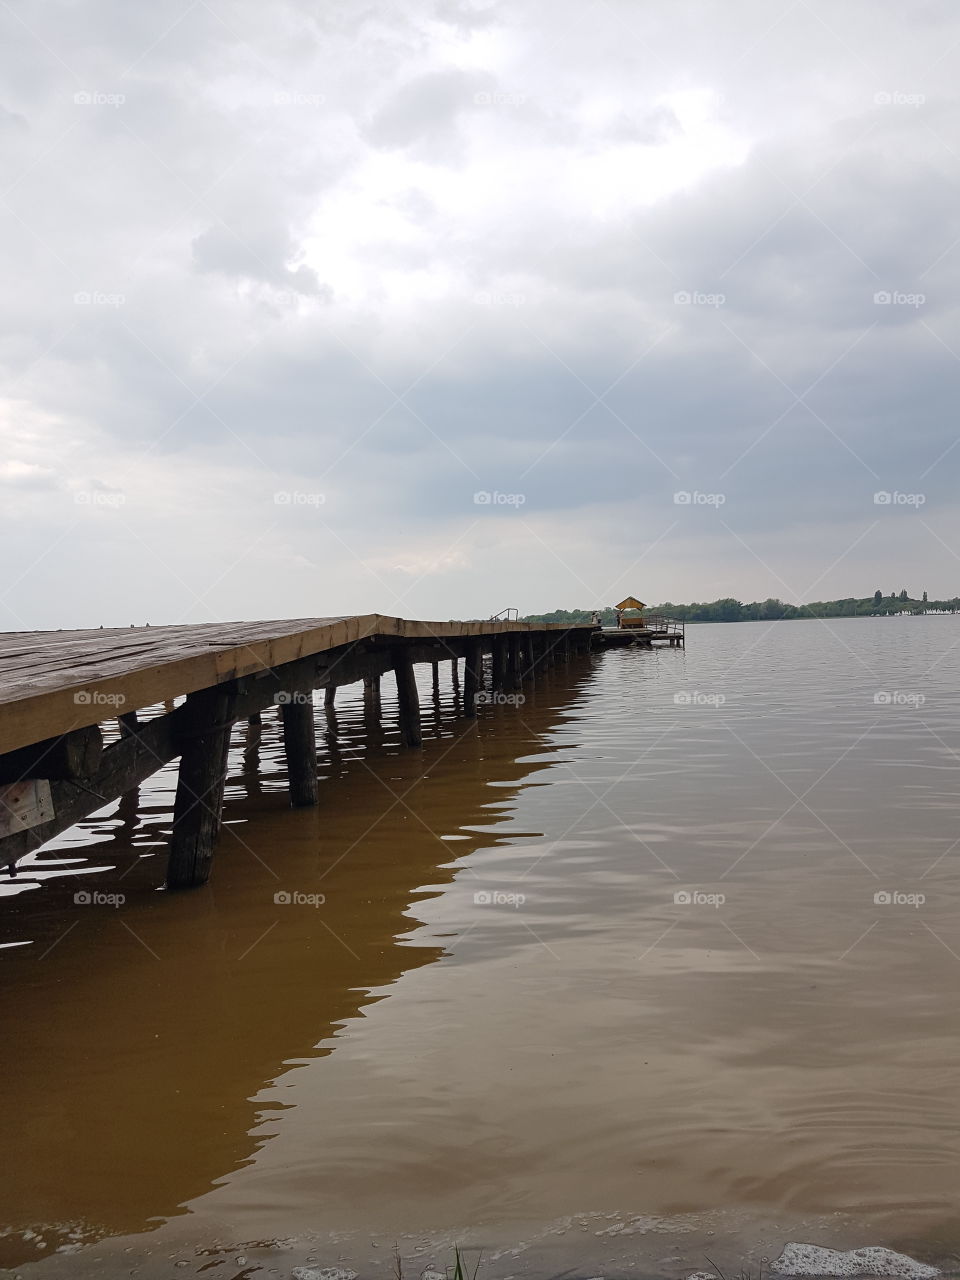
<point x="397" y="259"/>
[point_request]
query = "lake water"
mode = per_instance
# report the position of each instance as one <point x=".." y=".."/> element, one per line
<point x="662" y="964"/>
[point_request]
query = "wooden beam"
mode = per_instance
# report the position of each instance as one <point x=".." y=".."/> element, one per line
<point x="198" y="807"/>
<point x="73" y="755"/>
<point x="124" y="765"/>
<point x="300" y="747"/>
<point x="24" y="806"/>
<point x="408" y="700"/>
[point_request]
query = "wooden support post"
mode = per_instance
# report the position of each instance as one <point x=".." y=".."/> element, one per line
<point x="251" y="755"/>
<point x="128" y="808"/>
<point x="408" y="700"/>
<point x="371" y="692"/>
<point x="198" y="807"/>
<point x="536" y="650"/>
<point x="436" y="679"/>
<point x="329" y="696"/>
<point x="529" y="657"/>
<point x="300" y="747"/>
<point x="514" y="661"/>
<point x="499" y="672"/>
<point x="128" y="723"/>
<point x="455" y="674"/>
<point x="472" y="676"/>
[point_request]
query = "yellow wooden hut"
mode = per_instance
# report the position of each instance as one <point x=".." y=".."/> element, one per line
<point x="630" y="613"/>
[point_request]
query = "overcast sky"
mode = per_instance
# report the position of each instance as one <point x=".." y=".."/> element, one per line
<point x="442" y="306"/>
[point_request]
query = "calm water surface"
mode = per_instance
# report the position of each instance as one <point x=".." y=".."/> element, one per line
<point x="663" y="963"/>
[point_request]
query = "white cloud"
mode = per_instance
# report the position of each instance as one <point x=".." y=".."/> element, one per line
<point x="399" y="257"/>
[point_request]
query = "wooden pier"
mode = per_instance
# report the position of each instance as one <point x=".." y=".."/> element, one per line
<point x="57" y="688"/>
<point x="657" y="631"/>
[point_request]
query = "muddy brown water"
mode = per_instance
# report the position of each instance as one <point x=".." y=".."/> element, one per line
<point x="662" y="964"/>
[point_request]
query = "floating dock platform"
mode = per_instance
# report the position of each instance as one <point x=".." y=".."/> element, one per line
<point x="657" y="631"/>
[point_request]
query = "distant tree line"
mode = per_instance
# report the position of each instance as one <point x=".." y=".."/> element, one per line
<point x="772" y="610"/>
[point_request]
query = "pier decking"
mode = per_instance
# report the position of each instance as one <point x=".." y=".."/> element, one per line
<point x="658" y="631"/>
<point x="57" y="688"/>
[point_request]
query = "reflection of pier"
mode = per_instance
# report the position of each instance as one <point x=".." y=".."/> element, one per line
<point x="56" y="688"/>
<point x="143" y="1031"/>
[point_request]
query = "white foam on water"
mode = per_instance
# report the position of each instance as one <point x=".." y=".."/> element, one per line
<point x="322" y="1273"/>
<point x="814" y="1260"/>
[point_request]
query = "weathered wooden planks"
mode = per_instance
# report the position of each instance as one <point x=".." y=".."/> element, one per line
<point x="70" y="681"/>
<point x="54" y="682"/>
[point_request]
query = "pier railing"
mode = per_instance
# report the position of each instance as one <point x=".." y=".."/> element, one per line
<point x="662" y="625"/>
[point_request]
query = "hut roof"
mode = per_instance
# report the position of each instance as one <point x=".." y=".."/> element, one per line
<point x="631" y="602"/>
